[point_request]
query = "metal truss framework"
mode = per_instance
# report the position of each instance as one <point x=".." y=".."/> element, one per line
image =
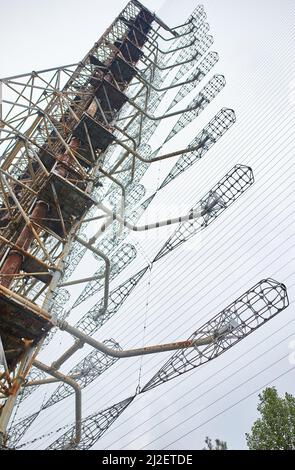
<point x="74" y="142"/>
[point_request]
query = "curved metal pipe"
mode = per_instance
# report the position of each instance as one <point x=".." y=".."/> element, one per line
<point x="78" y="397"/>
<point x="63" y="325"/>
<point x="89" y="246"/>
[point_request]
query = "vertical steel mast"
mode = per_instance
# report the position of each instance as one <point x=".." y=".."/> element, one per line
<point x="55" y="136"/>
<point x="74" y="147"/>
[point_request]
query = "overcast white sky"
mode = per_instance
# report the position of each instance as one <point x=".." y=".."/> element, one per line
<point x="251" y="241"/>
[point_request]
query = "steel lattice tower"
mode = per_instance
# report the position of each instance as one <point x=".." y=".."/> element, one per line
<point x="74" y="142"/>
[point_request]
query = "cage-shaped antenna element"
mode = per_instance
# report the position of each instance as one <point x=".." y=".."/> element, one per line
<point x="97" y="316"/>
<point x="192" y="24"/>
<point x="203" y="98"/>
<point x="208" y="136"/>
<point x="186" y="41"/>
<point x="243" y="316"/>
<point x="17" y="431"/>
<point x="191" y="81"/>
<point x="93" y="427"/>
<point x="87" y="370"/>
<point x="195" y="77"/>
<point x="202" y="47"/>
<point x="193" y="40"/>
<point x="219" y="198"/>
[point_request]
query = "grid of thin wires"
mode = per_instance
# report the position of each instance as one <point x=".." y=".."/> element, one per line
<point x="273" y="140"/>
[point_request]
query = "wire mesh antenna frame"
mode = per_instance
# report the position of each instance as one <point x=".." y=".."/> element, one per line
<point x="221" y="196"/>
<point x="88" y="369"/>
<point x="93" y="428"/>
<point x="243" y="316"/>
<point x="206" y="138"/>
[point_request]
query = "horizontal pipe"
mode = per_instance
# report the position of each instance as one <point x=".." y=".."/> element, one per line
<point x="195" y="214"/>
<point x="164" y="116"/>
<point x="49" y="381"/>
<point x="80" y="281"/>
<point x="41" y="382"/>
<point x="170" y="87"/>
<point x="161" y="157"/>
<point x="63" y="325"/>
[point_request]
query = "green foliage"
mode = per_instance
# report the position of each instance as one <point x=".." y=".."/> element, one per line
<point x="275" y="429"/>
<point x="219" y="445"/>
